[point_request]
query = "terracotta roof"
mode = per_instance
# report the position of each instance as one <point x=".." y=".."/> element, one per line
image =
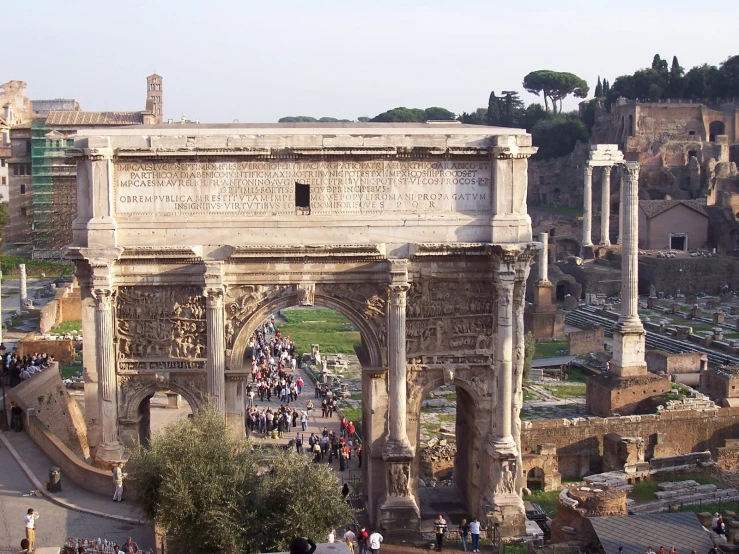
<point x="652" y="208"/>
<point x="94" y="118"/>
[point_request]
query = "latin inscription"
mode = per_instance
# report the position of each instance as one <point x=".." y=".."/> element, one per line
<point x="267" y="188"/>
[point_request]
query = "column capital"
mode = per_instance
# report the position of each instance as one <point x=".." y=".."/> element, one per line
<point x="588" y="169"/>
<point x="631" y="171"/>
<point x="214" y="296"/>
<point x="104" y="297"/>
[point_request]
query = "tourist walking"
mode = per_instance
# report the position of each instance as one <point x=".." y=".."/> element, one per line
<point x="375" y="539"/>
<point x="349" y="538"/>
<point x="464" y="530"/>
<point x="475" y="533"/>
<point x="118" y="482"/>
<point x="440" y="528"/>
<point x="30" y="523"/>
<point x="362" y="540"/>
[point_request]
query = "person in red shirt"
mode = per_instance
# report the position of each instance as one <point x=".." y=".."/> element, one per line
<point x="343" y="426"/>
<point x="351" y="429"/>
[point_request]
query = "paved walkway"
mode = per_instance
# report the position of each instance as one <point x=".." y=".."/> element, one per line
<point x="56" y="522"/>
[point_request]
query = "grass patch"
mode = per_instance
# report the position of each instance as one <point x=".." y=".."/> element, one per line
<point x="451" y="396"/>
<point x="331" y="330"/>
<point x="575" y="375"/>
<point x="34" y="268"/>
<point x="67" y="327"/>
<point x="566" y="391"/>
<point x="549" y="349"/>
<point x="547" y="500"/>
<point x="528" y="395"/>
<point x="68" y="371"/>
<point x="447" y="417"/>
<point x="352" y="414"/>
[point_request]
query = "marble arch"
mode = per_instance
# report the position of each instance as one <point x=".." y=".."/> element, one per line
<point x="367" y="330"/>
<point x="187" y="235"/>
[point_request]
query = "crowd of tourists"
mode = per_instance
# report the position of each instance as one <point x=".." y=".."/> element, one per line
<point x="19" y="368"/>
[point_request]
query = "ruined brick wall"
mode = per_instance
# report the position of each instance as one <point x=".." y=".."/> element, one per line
<point x="55" y="408"/>
<point x="587" y="341"/>
<point x="719" y="385"/>
<point x="62" y="350"/>
<point x="690" y="275"/>
<point x="664" y="362"/>
<point x="579" y="442"/>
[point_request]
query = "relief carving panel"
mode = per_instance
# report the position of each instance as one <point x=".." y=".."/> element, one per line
<point x="160" y="328"/>
<point x="444" y="316"/>
<point x="242" y="302"/>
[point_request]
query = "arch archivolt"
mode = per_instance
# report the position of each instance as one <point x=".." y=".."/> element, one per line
<point x="134" y="388"/>
<point x="364" y="304"/>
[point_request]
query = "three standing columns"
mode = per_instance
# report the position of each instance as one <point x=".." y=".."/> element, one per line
<point x="398" y="509"/>
<point x="605" y="217"/>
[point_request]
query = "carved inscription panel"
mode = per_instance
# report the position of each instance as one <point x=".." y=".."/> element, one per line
<point x="268" y="188"/>
<point x="449" y="316"/>
<point x="160" y="328"/>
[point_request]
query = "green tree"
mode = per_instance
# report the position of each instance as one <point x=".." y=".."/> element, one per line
<point x="215" y="494"/>
<point x="729" y="82"/>
<point x="478" y="117"/>
<point x="363" y="119"/>
<point x="529" y="349"/>
<point x="438" y="114"/>
<point x="556" y="136"/>
<point x="493" y="113"/>
<point x="701" y="82"/>
<point x="599" y="89"/>
<point x="658" y="64"/>
<point x="3" y="218"/>
<point x="333" y="120"/>
<point x="676" y="79"/>
<point x="555" y="86"/>
<point x="532" y="115"/>
<point x="401" y="115"/>
<point x="297" y="119"/>
<point x="512" y="106"/>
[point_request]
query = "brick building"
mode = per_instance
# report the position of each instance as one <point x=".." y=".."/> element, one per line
<point x="672" y="224"/>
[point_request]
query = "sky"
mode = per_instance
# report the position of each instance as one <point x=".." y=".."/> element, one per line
<point x="226" y="61"/>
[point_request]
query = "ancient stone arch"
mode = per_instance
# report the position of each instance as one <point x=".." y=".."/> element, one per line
<point x="186" y="239"/>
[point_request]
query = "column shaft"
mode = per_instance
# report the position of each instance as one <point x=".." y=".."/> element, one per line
<point x="107" y="385"/>
<point x="587" y="201"/>
<point x="23" y="289"/>
<point x="621" y="211"/>
<point x="544" y="257"/>
<point x="605" y="209"/>
<point x="504" y="356"/>
<point x="630" y="245"/>
<point x="216" y="361"/>
<point x="396" y="359"/>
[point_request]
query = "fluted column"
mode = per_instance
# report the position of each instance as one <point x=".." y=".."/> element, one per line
<point x="110" y="448"/>
<point x="630" y="246"/>
<point x="605" y="208"/>
<point x="216" y="361"/>
<point x="504" y="356"/>
<point x="544" y="258"/>
<point x="398" y="434"/>
<point x="587" y="201"/>
<point x="621" y="211"/>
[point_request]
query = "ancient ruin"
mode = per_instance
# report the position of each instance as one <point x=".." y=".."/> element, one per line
<point x="187" y="237"/>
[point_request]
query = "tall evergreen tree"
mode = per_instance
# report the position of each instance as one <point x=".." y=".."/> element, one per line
<point x="493" y="115"/>
<point x="599" y="89"/>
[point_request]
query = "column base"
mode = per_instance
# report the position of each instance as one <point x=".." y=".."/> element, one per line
<point x="108" y="454"/>
<point x="399" y="514"/>
<point x="398" y="451"/>
<point x="587" y="252"/>
<point x="506" y="514"/>
<point x="629" y="349"/>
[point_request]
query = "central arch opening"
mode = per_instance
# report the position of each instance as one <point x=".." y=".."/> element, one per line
<point x="158" y="410"/>
<point x="304" y="387"/>
<point x="447" y="437"/>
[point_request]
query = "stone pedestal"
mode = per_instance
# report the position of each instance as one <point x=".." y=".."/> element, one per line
<point x="174" y="401"/>
<point x="542" y="317"/>
<point x="505" y="508"/>
<point x="235" y="411"/>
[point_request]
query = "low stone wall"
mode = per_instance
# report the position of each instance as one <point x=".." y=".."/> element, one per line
<point x="63" y="350"/>
<point x="73" y="468"/>
<point x="659" y="361"/>
<point x="587" y="341"/>
<point x="579" y="442"/>
<point x="55" y="409"/>
<point x="66" y="306"/>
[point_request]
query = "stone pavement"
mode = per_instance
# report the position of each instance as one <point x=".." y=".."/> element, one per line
<point x="56" y="522"/>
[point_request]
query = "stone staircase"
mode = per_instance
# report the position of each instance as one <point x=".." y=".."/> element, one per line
<point x="587" y="316"/>
<point x="676" y="493"/>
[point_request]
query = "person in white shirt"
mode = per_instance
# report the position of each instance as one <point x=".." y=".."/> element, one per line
<point x="331" y="537"/>
<point x="374" y="542"/>
<point x="118" y="482"/>
<point x="475" y="532"/>
<point x="30" y="522"/>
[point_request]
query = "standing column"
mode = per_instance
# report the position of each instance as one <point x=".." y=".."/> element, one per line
<point x="398" y="509"/>
<point x="504" y="357"/>
<point x="544" y="258"/>
<point x="605" y="209"/>
<point x="110" y="448"/>
<point x="587" y="204"/>
<point x="621" y="210"/>
<point x="23" y="287"/>
<point x="630" y="246"/>
<point x="216" y="362"/>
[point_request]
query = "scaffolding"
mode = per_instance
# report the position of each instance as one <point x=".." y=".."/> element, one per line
<point x="54" y="194"/>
